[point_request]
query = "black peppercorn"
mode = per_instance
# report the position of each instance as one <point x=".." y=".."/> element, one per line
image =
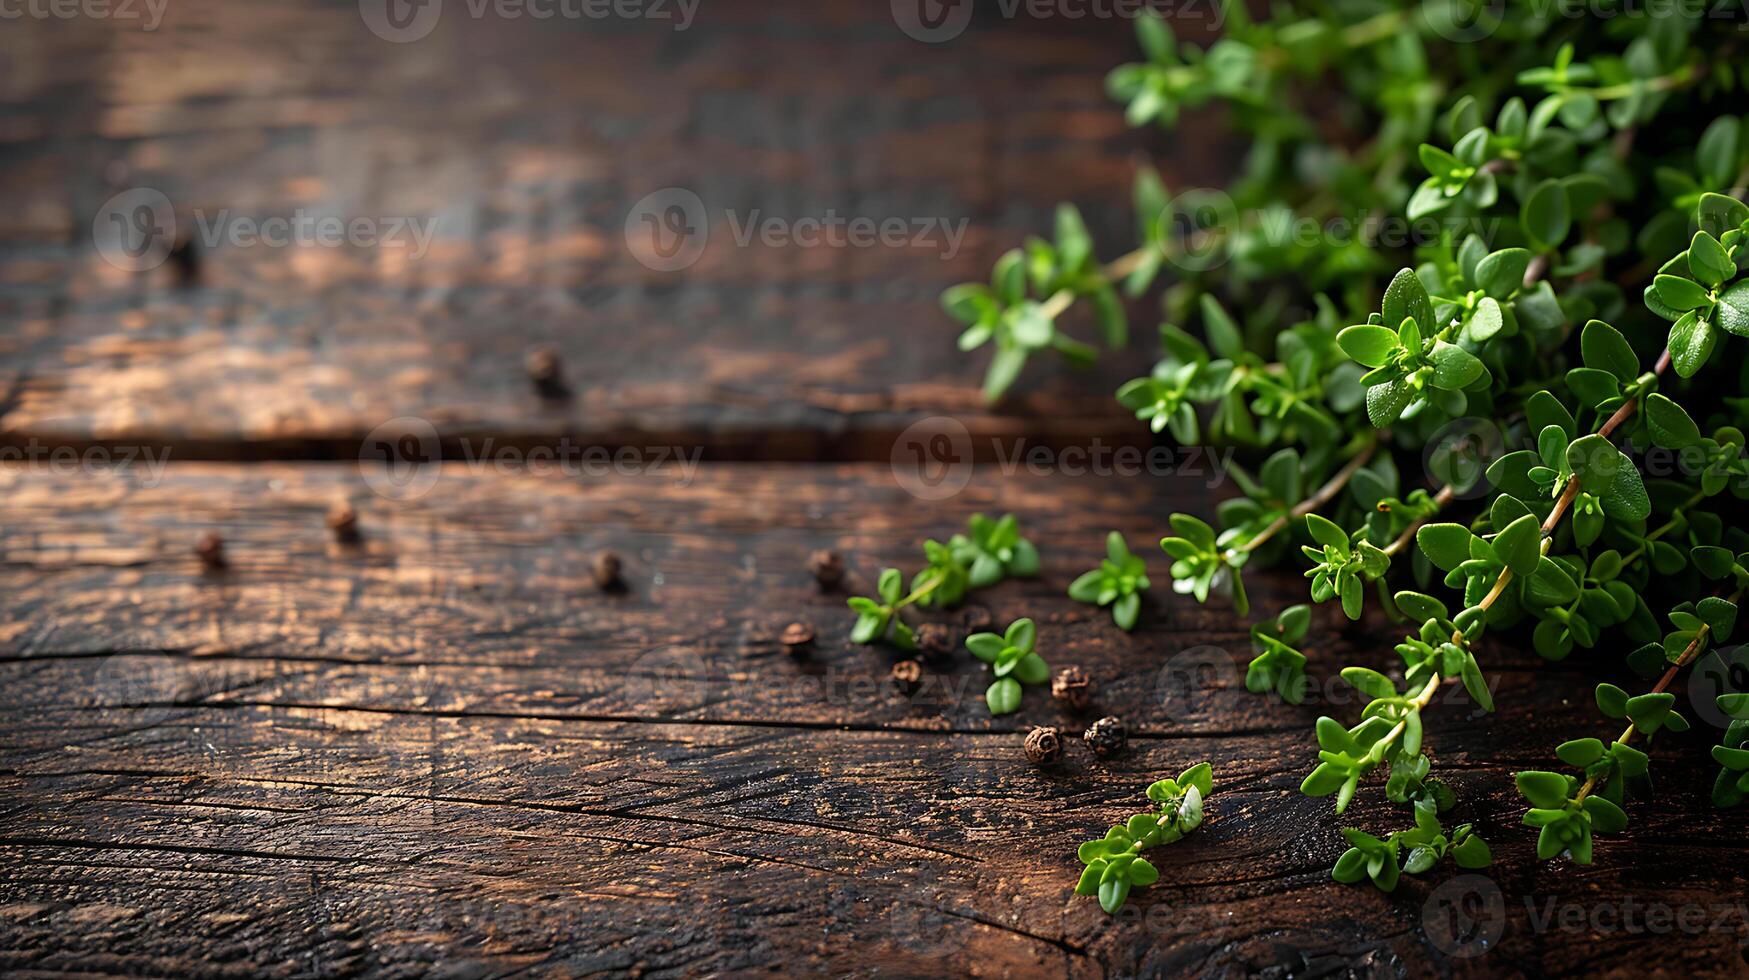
<point x="606" y="572"/>
<point x="1106" y="737"/>
<point x="1072" y="688"/>
<point x="908" y="676"/>
<point x="797" y="637"/>
<point x="343" y="521"/>
<point x="1044" y="746"/>
<point x="935" y="641"/>
<point x="827" y="568"/>
<point x="547" y="372"/>
<point x="211" y="549"/>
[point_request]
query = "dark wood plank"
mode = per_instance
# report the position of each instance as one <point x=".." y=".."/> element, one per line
<point x="528" y="143"/>
<point x="444" y="748"/>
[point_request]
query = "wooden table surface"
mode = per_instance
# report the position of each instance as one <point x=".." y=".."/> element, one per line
<point x="441" y="749"/>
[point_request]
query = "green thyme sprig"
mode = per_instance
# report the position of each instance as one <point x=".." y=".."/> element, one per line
<point x="1568" y="811"/>
<point x="1118" y="582"/>
<point x="1409" y="851"/>
<point x="989" y="552"/>
<point x="1567" y="244"/>
<point x="1115" y="863"/>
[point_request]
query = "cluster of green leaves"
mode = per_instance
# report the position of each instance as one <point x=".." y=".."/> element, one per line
<point x="1699" y="289"/>
<point x="1342" y="564"/>
<point x="1012" y="659"/>
<point x="990" y="552"/>
<point x="1029" y="288"/>
<point x="1569" y="165"/>
<point x="1118" y="582"/>
<point x="1732" y="755"/>
<point x="1384" y="861"/>
<point x="1279" y="666"/>
<point x="1115" y="863"/>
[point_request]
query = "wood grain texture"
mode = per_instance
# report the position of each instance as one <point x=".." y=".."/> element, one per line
<point x="523" y="146"/>
<point x="443" y="750"/>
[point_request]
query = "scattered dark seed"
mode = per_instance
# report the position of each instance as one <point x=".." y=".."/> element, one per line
<point x="343" y="521"/>
<point x="798" y="637"/>
<point x="1106" y="737"/>
<point x="547" y="372"/>
<point x="1044" y="746"/>
<point x="828" y="569"/>
<point x="1072" y="688"/>
<point x="607" y="572"/>
<point x="908" y="676"/>
<point x="211" y="549"/>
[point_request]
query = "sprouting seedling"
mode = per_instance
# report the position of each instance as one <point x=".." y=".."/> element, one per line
<point x="1118" y="582"/>
<point x="1011" y="658"/>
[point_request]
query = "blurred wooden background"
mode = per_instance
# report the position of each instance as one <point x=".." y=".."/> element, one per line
<point x="440" y="749"/>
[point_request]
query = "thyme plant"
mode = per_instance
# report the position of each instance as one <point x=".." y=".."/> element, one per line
<point x="1521" y="419"/>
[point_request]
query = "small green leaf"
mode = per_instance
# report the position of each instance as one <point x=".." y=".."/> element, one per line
<point x="1003" y="697"/>
<point x="1406" y="298"/>
<point x="1545" y="790"/>
<point x="1670" y="424"/>
<point x="1454" y="368"/>
<point x="1603" y="347"/>
<point x="1446" y="545"/>
<point x="1692" y="339"/>
<point x="1224" y="336"/>
<point x="1678" y="293"/>
<point x="1372" y="346"/>
<point x="1500" y="274"/>
<point x="1520" y="545"/>
<point x="1545" y="216"/>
